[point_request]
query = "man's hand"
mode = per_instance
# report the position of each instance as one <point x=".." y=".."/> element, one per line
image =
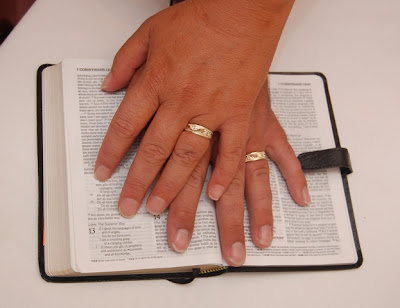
<point x="250" y="181"/>
<point x="202" y="62"/>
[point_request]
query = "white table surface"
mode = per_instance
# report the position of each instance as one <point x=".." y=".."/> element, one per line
<point x="356" y="44"/>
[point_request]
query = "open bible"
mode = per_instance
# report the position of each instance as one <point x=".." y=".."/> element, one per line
<point x="82" y="236"/>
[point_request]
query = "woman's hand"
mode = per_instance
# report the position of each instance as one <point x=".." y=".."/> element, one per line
<point x="201" y="62"/>
<point x="251" y="180"/>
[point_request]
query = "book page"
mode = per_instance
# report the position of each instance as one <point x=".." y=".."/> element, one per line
<point x="103" y="239"/>
<point x="56" y="241"/>
<point x="320" y="233"/>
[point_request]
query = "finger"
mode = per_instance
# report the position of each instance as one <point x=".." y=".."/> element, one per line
<point x="188" y="151"/>
<point x="257" y="188"/>
<point x="155" y="148"/>
<point x="259" y="196"/>
<point x="182" y="211"/>
<point x="230" y="153"/>
<point x="230" y="215"/>
<point x="133" y="114"/>
<point x="128" y="59"/>
<point x="280" y="151"/>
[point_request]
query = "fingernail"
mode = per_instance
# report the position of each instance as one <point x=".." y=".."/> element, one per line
<point x="155" y="205"/>
<point x="265" y="236"/>
<point x="237" y="254"/>
<point x="102" y="173"/>
<point x="216" y="192"/>
<point x="181" y="240"/>
<point x="306" y="196"/>
<point x="106" y="82"/>
<point x="128" y="207"/>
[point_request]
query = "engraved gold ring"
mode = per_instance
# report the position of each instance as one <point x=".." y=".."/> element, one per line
<point x="199" y="130"/>
<point x="254" y="156"/>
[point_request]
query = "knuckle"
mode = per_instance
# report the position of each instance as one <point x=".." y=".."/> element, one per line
<point x="155" y="77"/>
<point x="240" y="119"/>
<point x="234" y="227"/>
<point x="123" y="126"/>
<point x="258" y="174"/>
<point x="185" y="214"/>
<point x="229" y="161"/>
<point x="230" y="214"/>
<point x="190" y="90"/>
<point x="153" y="153"/>
<point x="283" y="154"/>
<point x="263" y="200"/>
<point x="170" y="186"/>
<point x="110" y="155"/>
<point x="278" y="144"/>
<point x="119" y="58"/>
<point x="136" y="186"/>
<point x="232" y="154"/>
<point x="186" y="156"/>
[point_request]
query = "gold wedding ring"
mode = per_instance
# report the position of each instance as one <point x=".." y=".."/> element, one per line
<point x="254" y="156"/>
<point x="199" y="130"/>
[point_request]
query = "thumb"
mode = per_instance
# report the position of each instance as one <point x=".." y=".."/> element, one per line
<point x="128" y="59"/>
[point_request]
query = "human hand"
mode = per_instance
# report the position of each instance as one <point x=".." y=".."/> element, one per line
<point x="251" y="180"/>
<point x="200" y="62"/>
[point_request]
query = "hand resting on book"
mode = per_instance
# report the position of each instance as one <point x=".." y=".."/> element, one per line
<point x="251" y="179"/>
<point x="199" y="62"/>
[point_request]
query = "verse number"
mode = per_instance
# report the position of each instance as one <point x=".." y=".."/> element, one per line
<point x="92" y="230"/>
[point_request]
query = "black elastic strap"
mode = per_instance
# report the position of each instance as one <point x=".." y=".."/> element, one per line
<point x="331" y="158"/>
